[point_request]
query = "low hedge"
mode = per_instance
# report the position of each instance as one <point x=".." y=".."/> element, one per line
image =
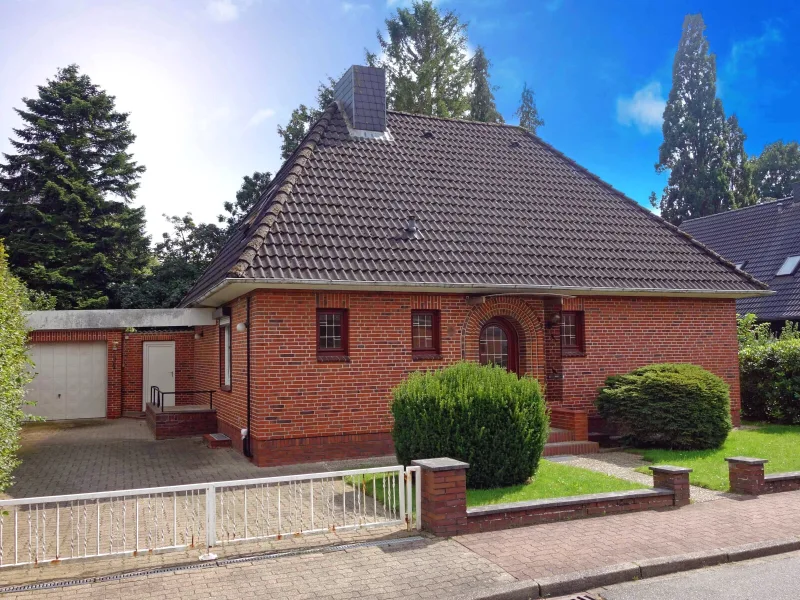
<point x="676" y="406"/>
<point x="770" y="381"/>
<point x="482" y="415"/>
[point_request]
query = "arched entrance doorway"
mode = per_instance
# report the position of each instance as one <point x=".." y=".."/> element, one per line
<point x="499" y="344"/>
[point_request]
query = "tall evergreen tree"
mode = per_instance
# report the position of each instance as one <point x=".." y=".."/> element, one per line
<point x="739" y="170"/>
<point x="775" y="169"/>
<point x="303" y="117"/>
<point x="65" y="194"/>
<point x="694" y="149"/>
<point x="482" y="105"/>
<point x="527" y="113"/>
<point x="425" y="57"/>
<point x="246" y="198"/>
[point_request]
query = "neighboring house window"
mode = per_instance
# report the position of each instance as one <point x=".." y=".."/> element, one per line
<point x="572" y="333"/>
<point x="425" y="333"/>
<point x="332" y="333"/>
<point x="225" y="353"/>
<point x="740" y="266"/>
<point x="789" y="266"/>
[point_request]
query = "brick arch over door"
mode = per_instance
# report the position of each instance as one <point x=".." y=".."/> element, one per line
<point x="525" y="319"/>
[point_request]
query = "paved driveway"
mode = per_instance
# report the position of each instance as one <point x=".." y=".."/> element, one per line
<point x="70" y="457"/>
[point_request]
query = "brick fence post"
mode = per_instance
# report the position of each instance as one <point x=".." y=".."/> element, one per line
<point x="444" y="495"/>
<point x="746" y="474"/>
<point x="675" y="479"/>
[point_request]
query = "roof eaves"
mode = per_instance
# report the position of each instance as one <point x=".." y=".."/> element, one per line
<point x="652" y="215"/>
<point x="301" y="158"/>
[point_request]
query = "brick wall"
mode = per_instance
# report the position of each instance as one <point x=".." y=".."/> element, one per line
<point x="305" y="408"/>
<point x="623" y="333"/>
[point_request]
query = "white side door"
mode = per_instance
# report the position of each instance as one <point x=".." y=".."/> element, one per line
<point x="159" y="370"/>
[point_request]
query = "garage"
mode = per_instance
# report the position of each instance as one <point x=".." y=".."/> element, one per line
<point x="71" y="380"/>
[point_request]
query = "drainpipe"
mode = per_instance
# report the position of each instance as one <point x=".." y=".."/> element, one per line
<point x="247" y="450"/>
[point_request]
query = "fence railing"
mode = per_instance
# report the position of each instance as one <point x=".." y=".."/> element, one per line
<point x="37" y="530"/>
<point x="157" y="396"/>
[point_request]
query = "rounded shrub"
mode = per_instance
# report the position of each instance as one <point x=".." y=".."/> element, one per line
<point x="482" y="415"/>
<point x="676" y="406"/>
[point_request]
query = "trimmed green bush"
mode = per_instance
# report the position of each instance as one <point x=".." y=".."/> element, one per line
<point x="482" y="415"/>
<point x="770" y="381"/>
<point x="15" y="372"/>
<point x="675" y="406"/>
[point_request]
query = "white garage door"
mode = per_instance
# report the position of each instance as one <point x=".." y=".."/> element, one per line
<point x="70" y="382"/>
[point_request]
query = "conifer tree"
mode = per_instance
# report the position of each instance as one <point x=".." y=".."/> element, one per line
<point x="528" y="113"/>
<point x="482" y="104"/>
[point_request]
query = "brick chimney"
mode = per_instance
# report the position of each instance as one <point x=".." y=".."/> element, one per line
<point x="361" y="92"/>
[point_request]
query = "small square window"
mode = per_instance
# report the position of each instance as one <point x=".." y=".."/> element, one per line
<point x="332" y="332"/>
<point x="789" y="266"/>
<point x="425" y="333"/>
<point x="572" y="333"/>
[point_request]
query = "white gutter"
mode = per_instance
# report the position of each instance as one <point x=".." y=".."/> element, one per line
<point x="477" y="288"/>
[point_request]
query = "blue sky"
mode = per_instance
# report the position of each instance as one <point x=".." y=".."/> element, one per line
<point x="208" y="81"/>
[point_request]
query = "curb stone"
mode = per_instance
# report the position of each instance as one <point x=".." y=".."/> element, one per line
<point x="584" y="581"/>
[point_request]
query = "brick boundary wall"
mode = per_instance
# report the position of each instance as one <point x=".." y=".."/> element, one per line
<point x="445" y="513"/>
<point x="168" y="425"/>
<point x="746" y="476"/>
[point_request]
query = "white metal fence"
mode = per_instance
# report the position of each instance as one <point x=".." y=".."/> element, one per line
<point x="35" y="530"/>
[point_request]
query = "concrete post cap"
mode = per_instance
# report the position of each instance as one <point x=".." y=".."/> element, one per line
<point x="670" y="469"/>
<point x="747" y="460"/>
<point x="440" y="464"/>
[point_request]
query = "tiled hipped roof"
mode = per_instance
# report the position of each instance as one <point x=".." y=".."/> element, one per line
<point x="494" y="205"/>
<point x="761" y="237"/>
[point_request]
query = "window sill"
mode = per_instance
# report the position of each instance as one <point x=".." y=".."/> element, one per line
<point x="332" y="358"/>
<point x="427" y="356"/>
<point x="224" y="388"/>
<point x="573" y="353"/>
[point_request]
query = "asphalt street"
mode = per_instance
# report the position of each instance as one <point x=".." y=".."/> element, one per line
<point x="773" y="578"/>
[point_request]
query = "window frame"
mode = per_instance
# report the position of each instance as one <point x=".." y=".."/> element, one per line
<point x="225" y="354"/>
<point x="579" y="349"/>
<point x="334" y="354"/>
<point x="436" y="335"/>
<point x="512" y="341"/>
<point x="793" y="262"/>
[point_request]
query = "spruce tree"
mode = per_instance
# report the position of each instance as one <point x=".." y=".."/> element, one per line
<point x="425" y="57"/>
<point x="482" y="105"/>
<point x="527" y="113"/>
<point x="694" y="149"/>
<point x="65" y="195"/>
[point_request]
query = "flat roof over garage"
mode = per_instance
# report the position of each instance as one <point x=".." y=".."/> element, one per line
<point x="119" y="318"/>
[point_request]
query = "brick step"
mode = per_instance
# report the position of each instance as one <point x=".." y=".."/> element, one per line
<point x="560" y="448"/>
<point x="560" y="435"/>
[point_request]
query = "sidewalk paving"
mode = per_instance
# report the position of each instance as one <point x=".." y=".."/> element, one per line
<point x="437" y="568"/>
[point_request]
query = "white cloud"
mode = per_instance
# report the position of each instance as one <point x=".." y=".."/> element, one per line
<point x="353" y="7"/>
<point x="223" y="10"/>
<point x="260" y="116"/>
<point x="216" y="116"/>
<point x="744" y="53"/>
<point x="645" y="109"/>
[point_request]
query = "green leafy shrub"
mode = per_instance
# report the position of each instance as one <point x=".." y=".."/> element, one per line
<point x="482" y="415"/>
<point x="770" y="381"/>
<point x="676" y="406"/>
<point x="15" y="373"/>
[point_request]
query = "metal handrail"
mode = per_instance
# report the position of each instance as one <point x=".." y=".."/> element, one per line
<point x="157" y="396"/>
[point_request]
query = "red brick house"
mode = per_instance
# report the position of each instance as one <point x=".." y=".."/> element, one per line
<point x="392" y="242"/>
<point x="389" y="243"/>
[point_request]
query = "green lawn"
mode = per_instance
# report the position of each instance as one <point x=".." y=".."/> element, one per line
<point x="553" y="480"/>
<point x="778" y="443"/>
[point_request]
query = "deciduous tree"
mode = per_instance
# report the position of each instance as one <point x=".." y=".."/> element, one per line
<point x="775" y="169"/>
<point x="527" y="113"/>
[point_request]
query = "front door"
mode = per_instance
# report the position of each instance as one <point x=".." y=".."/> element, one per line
<point x="159" y="370"/>
<point x="499" y="346"/>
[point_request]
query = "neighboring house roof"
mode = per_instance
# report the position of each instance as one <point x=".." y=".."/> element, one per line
<point x="760" y="238"/>
<point x="496" y="208"/>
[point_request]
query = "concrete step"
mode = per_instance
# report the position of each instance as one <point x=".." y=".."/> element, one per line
<point x="560" y="435"/>
<point x="572" y="447"/>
